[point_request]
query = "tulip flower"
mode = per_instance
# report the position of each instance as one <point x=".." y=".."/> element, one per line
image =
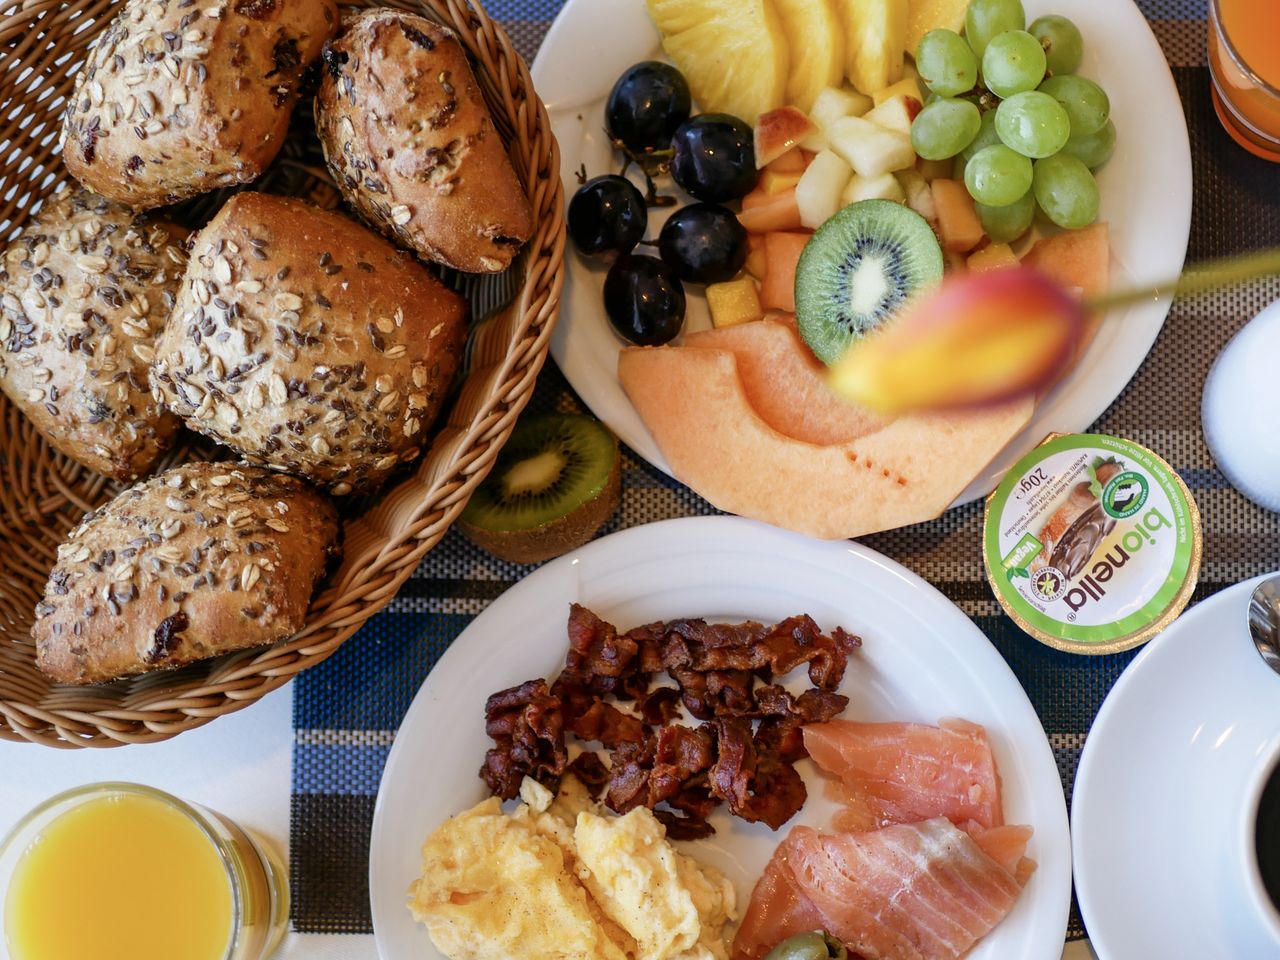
<point x="985" y="338"/>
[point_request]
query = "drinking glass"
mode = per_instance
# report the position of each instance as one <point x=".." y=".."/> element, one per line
<point x="1244" y="93"/>
<point x="254" y="872"/>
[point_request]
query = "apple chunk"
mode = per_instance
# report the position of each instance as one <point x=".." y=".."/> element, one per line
<point x="896" y="113"/>
<point x="778" y="131"/>
<point x="869" y="148"/>
<point x="883" y="187"/>
<point x="919" y="196"/>
<point x="818" y="192"/>
<point x="832" y="104"/>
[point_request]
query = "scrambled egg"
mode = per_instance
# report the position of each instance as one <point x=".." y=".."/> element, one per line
<point x="559" y="880"/>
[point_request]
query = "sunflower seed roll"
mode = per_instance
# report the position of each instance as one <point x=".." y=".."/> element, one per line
<point x="86" y="290"/>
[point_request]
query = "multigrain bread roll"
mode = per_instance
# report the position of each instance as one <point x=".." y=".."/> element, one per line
<point x="308" y="343"/>
<point x="85" y="291"/>
<point x="180" y="97"/>
<point x="201" y="560"/>
<point x="412" y="146"/>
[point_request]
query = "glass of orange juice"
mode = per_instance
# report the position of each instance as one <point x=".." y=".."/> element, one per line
<point x="1244" y="63"/>
<point x="120" y="871"/>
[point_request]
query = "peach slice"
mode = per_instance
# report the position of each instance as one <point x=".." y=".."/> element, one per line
<point x="778" y="131"/>
<point x="693" y="402"/>
<point x="978" y="339"/>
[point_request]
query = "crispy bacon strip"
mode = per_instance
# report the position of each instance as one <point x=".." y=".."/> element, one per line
<point x="724" y="675"/>
<point x="527" y="728"/>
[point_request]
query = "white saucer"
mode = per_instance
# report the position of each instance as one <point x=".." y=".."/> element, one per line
<point x="1157" y="813"/>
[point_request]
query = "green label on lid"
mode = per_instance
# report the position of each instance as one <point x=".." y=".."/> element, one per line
<point x="1092" y="543"/>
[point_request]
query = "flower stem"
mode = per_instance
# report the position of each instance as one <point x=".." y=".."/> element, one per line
<point x="1208" y="275"/>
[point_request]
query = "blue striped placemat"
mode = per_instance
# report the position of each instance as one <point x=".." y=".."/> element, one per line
<point x="347" y="709"/>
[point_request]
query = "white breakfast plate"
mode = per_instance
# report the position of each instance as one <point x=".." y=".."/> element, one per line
<point x="1161" y="787"/>
<point x="1146" y="198"/>
<point x="922" y="659"/>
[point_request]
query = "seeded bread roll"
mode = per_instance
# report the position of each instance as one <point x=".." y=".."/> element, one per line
<point x="201" y="560"/>
<point x="178" y="97"/>
<point x="307" y="342"/>
<point x="412" y="146"/>
<point x="86" y="290"/>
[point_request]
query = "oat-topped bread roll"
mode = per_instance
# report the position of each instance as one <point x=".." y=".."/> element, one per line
<point x="181" y="97"/>
<point x="309" y="343"/>
<point x="201" y="560"/>
<point x="85" y="291"/>
<point x="412" y="146"/>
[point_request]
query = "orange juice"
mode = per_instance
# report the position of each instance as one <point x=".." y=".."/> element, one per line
<point x="120" y="877"/>
<point x="120" y="871"/>
<point x="1244" y="62"/>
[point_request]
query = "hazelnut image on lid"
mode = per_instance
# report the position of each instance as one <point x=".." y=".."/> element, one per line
<point x="1092" y="543"/>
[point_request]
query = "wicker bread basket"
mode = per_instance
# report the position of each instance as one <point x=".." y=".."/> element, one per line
<point x="43" y="494"/>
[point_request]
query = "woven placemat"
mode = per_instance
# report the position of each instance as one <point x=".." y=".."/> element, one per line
<point x="347" y="709"/>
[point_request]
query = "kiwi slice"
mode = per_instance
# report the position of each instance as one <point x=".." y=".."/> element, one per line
<point x="858" y="270"/>
<point x="553" y="486"/>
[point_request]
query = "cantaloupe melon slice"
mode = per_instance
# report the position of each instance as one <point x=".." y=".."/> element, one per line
<point x="1080" y="260"/>
<point x="786" y="385"/>
<point x="693" y="402"/>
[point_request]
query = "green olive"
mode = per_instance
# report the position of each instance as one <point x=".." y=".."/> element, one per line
<point x="814" y="945"/>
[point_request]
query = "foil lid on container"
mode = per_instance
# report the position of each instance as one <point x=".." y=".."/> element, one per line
<point x="1092" y="543"/>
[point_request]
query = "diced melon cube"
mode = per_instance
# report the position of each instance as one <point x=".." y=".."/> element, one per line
<point x="734" y="302"/>
<point x="778" y="212"/>
<point x="793" y="161"/>
<point x="995" y="256"/>
<point x="957" y="218"/>
<point x="773" y="183"/>
<point x="778" y="291"/>
<point x="756" y="264"/>
<point x="819" y="189"/>
<point x="883" y="187"/>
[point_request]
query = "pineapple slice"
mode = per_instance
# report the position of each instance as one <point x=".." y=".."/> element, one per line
<point x="926" y="15"/>
<point x="817" y="48"/>
<point x="876" y="34"/>
<point x="733" y="52"/>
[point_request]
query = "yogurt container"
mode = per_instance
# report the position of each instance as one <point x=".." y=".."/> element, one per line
<point x="1092" y="544"/>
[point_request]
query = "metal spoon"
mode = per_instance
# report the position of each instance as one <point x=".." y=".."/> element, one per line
<point x="1264" y="621"/>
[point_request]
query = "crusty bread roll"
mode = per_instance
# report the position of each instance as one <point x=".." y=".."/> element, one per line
<point x="308" y="343"/>
<point x="181" y="97"/>
<point x="203" y="559"/>
<point x="83" y="294"/>
<point x="412" y="146"/>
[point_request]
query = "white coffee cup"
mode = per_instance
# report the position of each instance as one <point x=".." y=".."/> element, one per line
<point x="1255" y="896"/>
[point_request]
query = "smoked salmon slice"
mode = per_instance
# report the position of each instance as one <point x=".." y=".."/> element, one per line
<point x="921" y="891"/>
<point x="906" y="772"/>
<point x="1006" y="846"/>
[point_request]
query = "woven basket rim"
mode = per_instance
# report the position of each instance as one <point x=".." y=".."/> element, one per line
<point x="386" y="543"/>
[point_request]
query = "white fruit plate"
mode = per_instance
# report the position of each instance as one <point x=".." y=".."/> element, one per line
<point x="921" y="659"/>
<point x="1146" y="199"/>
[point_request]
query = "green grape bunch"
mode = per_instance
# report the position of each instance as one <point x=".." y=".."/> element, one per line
<point x="1024" y="130"/>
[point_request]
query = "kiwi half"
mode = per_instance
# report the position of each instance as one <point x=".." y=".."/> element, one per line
<point x="554" y="484"/>
<point x="858" y="270"/>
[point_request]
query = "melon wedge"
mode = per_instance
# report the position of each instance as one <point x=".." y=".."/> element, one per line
<point x="1079" y="260"/>
<point x="786" y="384"/>
<point x="693" y="401"/>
